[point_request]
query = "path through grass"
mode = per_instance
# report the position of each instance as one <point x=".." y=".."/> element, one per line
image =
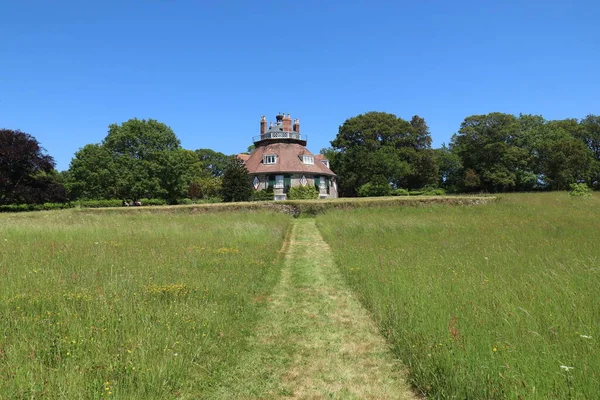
<point x="316" y="340"/>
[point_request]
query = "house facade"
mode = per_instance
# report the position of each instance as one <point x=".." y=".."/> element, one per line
<point x="281" y="161"/>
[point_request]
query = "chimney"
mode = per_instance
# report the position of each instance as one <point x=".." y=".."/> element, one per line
<point x="287" y="123"/>
<point x="263" y="124"/>
<point x="296" y="127"/>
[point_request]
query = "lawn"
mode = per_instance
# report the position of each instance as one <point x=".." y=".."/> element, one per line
<point x="493" y="301"/>
<point x="130" y="305"/>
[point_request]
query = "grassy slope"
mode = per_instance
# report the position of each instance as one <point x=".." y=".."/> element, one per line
<point x="482" y="302"/>
<point x="129" y="305"/>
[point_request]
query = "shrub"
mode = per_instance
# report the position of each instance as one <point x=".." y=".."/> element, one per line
<point x="399" y="192"/>
<point x="434" y="192"/>
<point x="262" y="195"/>
<point x="303" y="193"/>
<point x="153" y="202"/>
<point x="374" y="189"/>
<point x="99" y="203"/>
<point x="185" y="201"/>
<point x="416" y="193"/>
<point x="580" y="190"/>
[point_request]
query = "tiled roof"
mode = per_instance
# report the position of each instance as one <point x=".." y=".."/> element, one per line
<point x="288" y="160"/>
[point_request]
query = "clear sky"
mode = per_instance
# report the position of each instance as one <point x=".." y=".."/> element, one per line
<point x="210" y="69"/>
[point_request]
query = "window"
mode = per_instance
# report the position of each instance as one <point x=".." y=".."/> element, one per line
<point x="279" y="182"/>
<point x="269" y="159"/>
<point x="307" y="159"/>
<point x="326" y="162"/>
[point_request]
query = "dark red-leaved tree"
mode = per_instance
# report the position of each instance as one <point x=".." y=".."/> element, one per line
<point x="26" y="171"/>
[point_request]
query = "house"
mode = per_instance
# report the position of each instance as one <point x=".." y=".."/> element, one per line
<point x="281" y="160"/>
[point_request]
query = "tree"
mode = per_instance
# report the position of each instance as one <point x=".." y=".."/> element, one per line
<point x="381" y="144"/>
<point x="93" y="174"/>
<point x="236" y="181"/>
<point x="206" y="187"/>
<point x="488" y="145"/>
<point x="450" y="168"/>
<point x="27" y="173"/>
<point x="136" y="159"/>
<point x="563" y="159"/>
<point x="213" y="162"/>
<point x="590" y="135"/>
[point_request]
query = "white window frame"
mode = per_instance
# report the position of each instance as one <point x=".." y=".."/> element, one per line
<point x="269" y="159"/>
<point x="306" y="159"/>
<point x="326" y="162"/>
<point x="279" y="182"/>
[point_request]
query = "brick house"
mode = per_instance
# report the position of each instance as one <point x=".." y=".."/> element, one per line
<point x="280" y="160"/>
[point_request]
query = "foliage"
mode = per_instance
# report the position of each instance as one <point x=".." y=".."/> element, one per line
<point x="213" y="162"/>
<point x="303" y="193"/>
<point x="487" y="145"/>
<point x="136" y="159"/>
<point x="580" y="190"/>
<point x="205" y="187"/>
<point x="400" y="192"/>
<point x="236" y="181"/>
<point x="460" y="300"/>
<point x="185" y="201"/>
<point x="262" y="195"/>
<point x="377" y="187"/>
<point x="106" y="304"/>
<point x="26" y="172"/>
<point x="378" y="143"/>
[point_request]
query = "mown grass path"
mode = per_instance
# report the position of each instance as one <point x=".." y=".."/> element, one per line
<point x="316" y="340"/>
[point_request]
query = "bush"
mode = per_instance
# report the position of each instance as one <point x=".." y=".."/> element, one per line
<point x="399" y="192"/>
<point x="580" y="190"/>
<point x="185" y="201"/>
<point x="416" y="193"/>
<point x="374" y="189"/>
<point x="262" y="195"/>
<point x="99" y="203"/>
<point x="434" y="192"/>
<point x="154" y="202"/>
<point x="303" y="193"/>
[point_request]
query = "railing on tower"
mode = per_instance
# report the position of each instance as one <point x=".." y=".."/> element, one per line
<point x="279" y="135"/>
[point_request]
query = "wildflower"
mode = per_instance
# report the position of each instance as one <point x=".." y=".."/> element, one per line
<point x="566" y="368"/>
<point x="495" y="349"/>
<point x="585" y="336"/>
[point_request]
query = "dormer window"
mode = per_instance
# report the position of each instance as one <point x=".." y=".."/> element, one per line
<point x="269" y="159"/>
<point x="307" y="159"/>
<point x="326" y="162"/>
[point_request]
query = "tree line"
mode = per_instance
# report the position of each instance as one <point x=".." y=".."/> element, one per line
<point x="372" y="154"/>
<point x="495" y="152"/>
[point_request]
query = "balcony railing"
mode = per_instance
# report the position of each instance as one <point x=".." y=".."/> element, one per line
<point x="279" y="135"/>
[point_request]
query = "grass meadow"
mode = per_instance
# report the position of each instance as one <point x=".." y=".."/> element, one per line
<point x="130" y="305"/>
<point x="493" y="301"/>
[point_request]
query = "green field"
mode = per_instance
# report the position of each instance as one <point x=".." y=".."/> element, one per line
<point x="130" y="305"/>
<point x="491" y="301"/>
<point x="484" y="301"/>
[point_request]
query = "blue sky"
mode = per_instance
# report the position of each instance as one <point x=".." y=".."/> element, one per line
<point x="209" y="70"/>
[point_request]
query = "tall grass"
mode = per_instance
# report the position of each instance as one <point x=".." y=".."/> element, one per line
<point x="485" y="302"/>
<point x="129" y="305"/>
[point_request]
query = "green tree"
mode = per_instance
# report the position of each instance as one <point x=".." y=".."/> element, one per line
<point x="213" y="162"/>
<point x="92" y="174"/>
<point x="236" y="181"/>
<point x="450" y="168"/>
<point x="381" y="144"/>
<point x="139" y="158"/>
<point x="590" y="135"/>
<point x="488" y="145"/>
<point x="205" y="187"/>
